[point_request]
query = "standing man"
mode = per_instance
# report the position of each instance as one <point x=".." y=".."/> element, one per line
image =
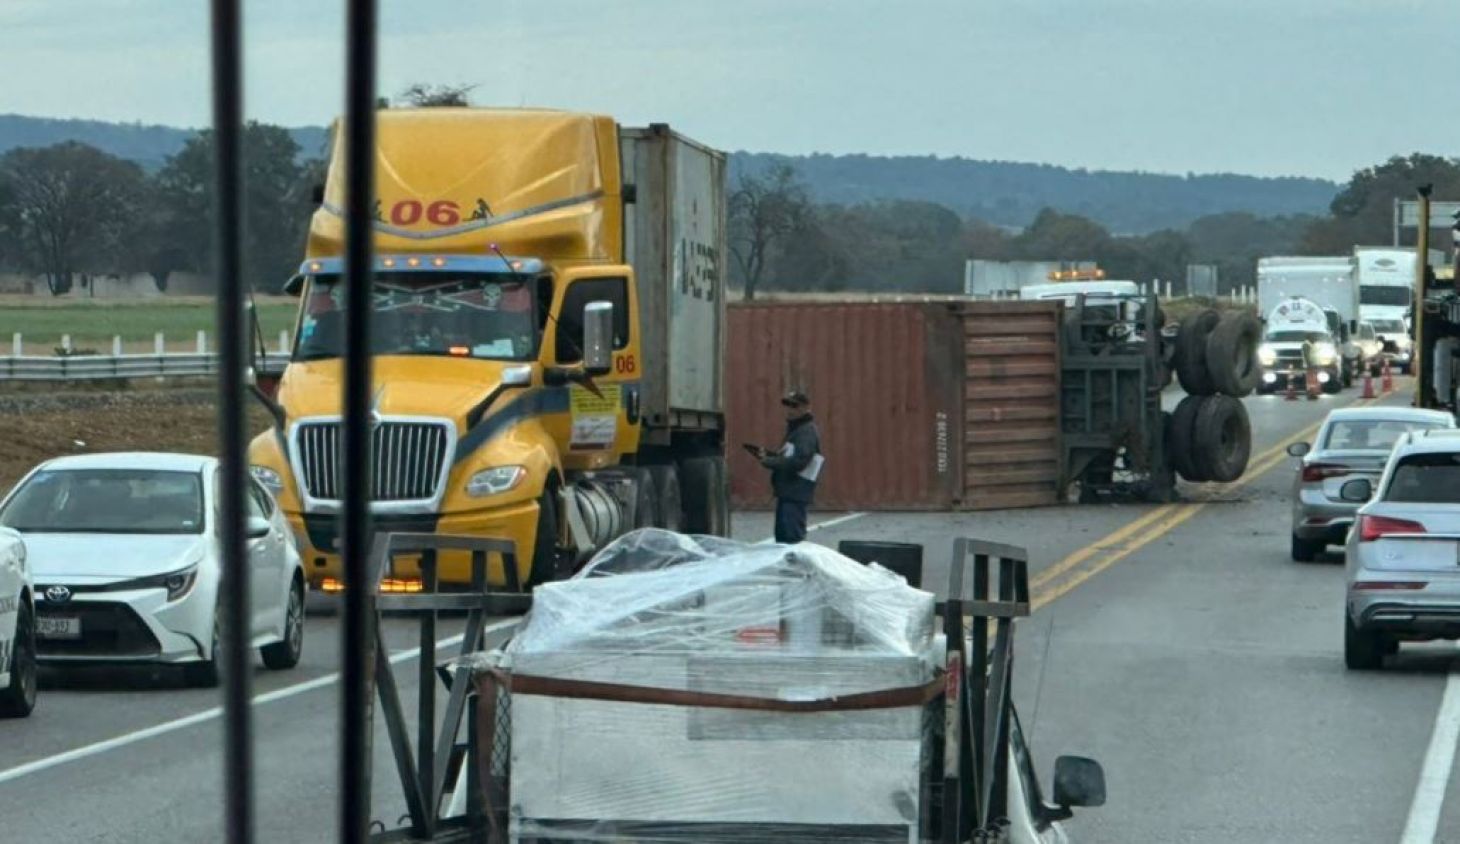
<point x="794" y="468"/>
<point x="1310" y="368"/>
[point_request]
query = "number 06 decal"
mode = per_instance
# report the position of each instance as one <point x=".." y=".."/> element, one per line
<point x="625" y="364"/>
<point x="442" y="212"/>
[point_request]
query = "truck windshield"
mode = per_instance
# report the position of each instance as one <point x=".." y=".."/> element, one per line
<point x="1373" y="294"/>
<point x="490" y="316"/>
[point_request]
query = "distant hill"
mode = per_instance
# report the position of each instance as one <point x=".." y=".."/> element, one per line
<point x="1011" y="193"/>
<point x="145" y="144"/>
<point x="1001" y="192"/>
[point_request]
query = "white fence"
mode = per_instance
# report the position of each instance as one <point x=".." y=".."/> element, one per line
<point x="98" y="367"/>
<point x="160" y="363"/>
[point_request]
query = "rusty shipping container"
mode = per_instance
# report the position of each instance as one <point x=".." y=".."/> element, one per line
<point x="922" y="404"/>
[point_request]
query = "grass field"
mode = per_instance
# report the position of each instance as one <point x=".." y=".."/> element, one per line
<point x="93" y="323"/>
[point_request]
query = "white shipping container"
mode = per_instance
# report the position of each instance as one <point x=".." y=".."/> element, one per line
<point x="674" y="238"/>
<point x="1328" y="281"/>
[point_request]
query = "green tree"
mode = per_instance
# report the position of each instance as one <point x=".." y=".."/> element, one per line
<point x="276" y="203"/>
<point x="1363" y="212"/>
<point x="764" y="210"/>
<point x="1061" y="237"/>
<point x="71" y="208"/>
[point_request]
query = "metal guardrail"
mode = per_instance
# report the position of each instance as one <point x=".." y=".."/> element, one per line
<point x="99" y="367"/>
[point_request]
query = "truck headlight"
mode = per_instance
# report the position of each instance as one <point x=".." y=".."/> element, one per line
<point x="1266" y="355"/>
<point x="268" y="477"/>
<point x="495" y="481"/>
<point x="1324" y="353"/>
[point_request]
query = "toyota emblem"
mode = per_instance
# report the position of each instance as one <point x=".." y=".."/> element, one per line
<point x="58" y="594"/>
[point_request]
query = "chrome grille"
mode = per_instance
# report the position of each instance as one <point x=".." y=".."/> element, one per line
<point x="407" y="459"/>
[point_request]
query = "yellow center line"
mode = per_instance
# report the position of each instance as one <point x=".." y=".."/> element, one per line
<point x="1132" y="537"/>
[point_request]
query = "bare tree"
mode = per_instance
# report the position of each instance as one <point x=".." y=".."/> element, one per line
<point x="421" y="95"/>
<point x="70" y="209"/>
<point x="763" y="210"/>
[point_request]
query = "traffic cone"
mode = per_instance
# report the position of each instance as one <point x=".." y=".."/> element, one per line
<point x="1310" y="384"/>
<point x="1368" y="384"/>
<point x="1388" y="385"/>
<point x="1290" y="392"/>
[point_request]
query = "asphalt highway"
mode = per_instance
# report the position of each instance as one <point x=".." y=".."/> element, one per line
<point x="1177" y="644"/>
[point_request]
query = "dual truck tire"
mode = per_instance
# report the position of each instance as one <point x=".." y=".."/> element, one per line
<point x="1209" y="436"/>
<point x="1217" y="354"/>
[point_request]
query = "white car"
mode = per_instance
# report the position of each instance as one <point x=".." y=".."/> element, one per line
<point x="17" y="629"/>
<point x="125" y="556"/>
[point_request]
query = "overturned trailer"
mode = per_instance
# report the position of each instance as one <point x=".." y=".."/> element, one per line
<point x="691" y="689"/>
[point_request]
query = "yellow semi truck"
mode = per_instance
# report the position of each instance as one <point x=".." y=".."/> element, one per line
<point x="548" y="341"/>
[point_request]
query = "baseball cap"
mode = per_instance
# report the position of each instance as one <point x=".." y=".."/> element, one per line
<point x="795" y="398"/>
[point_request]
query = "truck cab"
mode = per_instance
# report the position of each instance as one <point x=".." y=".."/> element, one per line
<point x="528" y="383"/>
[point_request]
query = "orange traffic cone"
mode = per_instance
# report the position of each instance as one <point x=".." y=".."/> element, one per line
<point x="1369" y="384"/>
<point x="1310" y="384"/>
<point x="1388" y="385"/>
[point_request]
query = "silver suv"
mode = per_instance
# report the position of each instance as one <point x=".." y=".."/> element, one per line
<point x="1353" y="443"/>
<point x="1403" y="554"/>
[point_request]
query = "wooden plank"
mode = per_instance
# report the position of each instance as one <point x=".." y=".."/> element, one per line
<point x="1009" y="434"/>
<point x="987" y="390"/>
<point x="1002" y="326"/>
<point x="985" y="477"/>
<point x="1005" y="499"/>
<point x="1003" y="453"/>
<point x="990" y="367"/>
<point x="1021" y="348"/>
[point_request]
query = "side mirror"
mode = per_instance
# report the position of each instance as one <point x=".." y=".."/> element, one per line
<point x="1358" y="490"/>
<point x="1299" y="449"/>
<point x="316" y="193"/>
<point x="598" y="338"/>
<point x="294" y="285"/>
<point x="250" y="377"/>
<point x="257" y="527"/>
<point x="1078" y="782"/>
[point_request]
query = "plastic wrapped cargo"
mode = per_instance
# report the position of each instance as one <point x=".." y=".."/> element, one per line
<point x="695" y="689"/>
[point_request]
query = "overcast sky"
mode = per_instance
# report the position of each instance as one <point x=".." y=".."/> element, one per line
<point x="1307" y="87"/>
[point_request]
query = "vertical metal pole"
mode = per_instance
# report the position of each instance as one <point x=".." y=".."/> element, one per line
<point x="426" y="696"/>
<point x="355" y="633"/>
<point x="1419" y="361"/>
<point x="236" y="666"/>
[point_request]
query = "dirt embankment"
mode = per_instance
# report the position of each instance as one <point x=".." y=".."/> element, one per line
<point x="35" y="427"/>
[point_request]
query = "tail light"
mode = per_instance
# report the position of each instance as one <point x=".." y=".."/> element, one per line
<point x="1388" y="585"/>
<point x="1318" y="471"/>
<point x="1377" y="527"/>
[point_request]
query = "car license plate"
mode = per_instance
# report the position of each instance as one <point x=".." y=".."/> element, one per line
<point x="58" y="627"/>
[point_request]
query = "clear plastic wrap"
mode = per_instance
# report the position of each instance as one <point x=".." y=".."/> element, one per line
<point x="662" y="592"/>
<point x="737" y="633"/>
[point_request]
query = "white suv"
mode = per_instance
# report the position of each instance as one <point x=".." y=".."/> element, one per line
<point x="1403" y="553"/>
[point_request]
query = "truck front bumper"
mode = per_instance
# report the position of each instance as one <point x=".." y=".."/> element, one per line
<point x="318" y="536"/>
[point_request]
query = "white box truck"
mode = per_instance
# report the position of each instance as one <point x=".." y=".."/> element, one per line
<point x="1331" y="283"/>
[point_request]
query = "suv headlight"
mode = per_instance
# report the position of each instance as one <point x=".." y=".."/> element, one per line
<point x="268" y="477"/>
<point x="495" y="481"/>
<point x="1266" y="355"/>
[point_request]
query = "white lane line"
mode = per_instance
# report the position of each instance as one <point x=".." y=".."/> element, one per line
<point x="268" y="697"/>
<point x="209" y="714"/>
<point x="1434" y="776"/>
<point x="819" y="525"/>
